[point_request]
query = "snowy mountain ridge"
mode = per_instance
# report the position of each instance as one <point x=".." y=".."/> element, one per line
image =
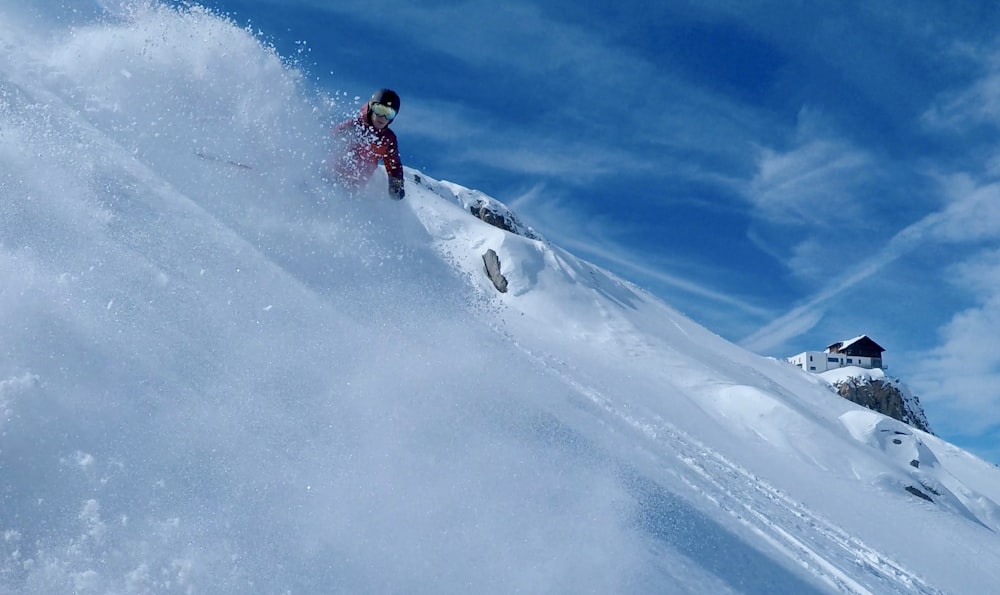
<point x="231" y="379"/>
<point x="899" y="442"/>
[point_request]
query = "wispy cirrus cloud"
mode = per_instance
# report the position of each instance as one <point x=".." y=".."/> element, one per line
<point x="961" y="221"/>
<point x="974" y="105"/>
<point x="556" y="87"/>
<point x="604" y="241"/>
<point x="818" y="178"/>
<point x="815" y="184"/>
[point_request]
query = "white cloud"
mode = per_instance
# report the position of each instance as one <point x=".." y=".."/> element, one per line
<point x="974" y="105"/>
<point x="819" y="181"/>
<point x="809" y="184"/>
<point x="972" y="213"/>
<point x="980" y="275"/>
<point x="962" y="374"/>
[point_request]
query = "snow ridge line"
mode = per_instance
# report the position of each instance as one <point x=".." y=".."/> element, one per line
<point x="735" y="497"/>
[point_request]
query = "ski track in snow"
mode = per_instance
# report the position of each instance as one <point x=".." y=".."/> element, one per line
<point x="824" y="549"/>
<point x="832" y="548"/>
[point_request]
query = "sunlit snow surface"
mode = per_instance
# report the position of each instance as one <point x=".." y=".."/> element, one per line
<point x="220" y="375"/>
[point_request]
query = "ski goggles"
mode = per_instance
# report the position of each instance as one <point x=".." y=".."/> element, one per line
<point x="383" y="110"/>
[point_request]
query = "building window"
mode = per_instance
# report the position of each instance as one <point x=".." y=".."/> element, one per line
<point x="850" y="361"/>
<point x="812" y="368"/>
<point x="833" y="359"/>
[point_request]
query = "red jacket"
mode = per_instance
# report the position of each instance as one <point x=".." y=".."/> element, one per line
<point x="365" y="146"/>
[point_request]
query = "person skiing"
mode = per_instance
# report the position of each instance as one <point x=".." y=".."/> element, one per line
<point x="368" y="139"/>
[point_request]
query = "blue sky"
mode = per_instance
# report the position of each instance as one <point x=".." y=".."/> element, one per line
<point x="787" y="174"/>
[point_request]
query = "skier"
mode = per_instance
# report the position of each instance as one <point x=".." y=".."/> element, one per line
<point x="367" y="139"/>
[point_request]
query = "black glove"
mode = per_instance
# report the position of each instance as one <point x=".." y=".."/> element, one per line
<point x="396" y="188"/>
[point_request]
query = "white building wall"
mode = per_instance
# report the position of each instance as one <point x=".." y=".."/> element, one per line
<point x="810" y="361"/>
<point x="821" y="361"/>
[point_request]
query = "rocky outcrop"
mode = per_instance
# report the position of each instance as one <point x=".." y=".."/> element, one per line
<point x="490" y="211"/>
<point x="492" y="262"/>
<point x="885" y="395"/>
<point x="497" y="214"/>
<point x="481" y="206"/>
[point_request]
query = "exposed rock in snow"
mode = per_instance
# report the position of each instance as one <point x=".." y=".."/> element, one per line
<point x="481" y="206"/>
<point x="878" y="392"/>
<point x="492" y="262"/>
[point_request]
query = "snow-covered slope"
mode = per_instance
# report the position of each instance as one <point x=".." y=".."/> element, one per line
<point x="760" y="413"/>
<point x="220" y="376"/>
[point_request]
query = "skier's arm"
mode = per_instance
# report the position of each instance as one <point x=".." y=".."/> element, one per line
<point x="394" y="169"/>
<point x="396" y="188"/>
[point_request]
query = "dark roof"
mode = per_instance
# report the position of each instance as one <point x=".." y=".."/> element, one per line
<point x="857" y="345"/>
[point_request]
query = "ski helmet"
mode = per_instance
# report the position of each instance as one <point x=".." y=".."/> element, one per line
<point x="386" y="97"/>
